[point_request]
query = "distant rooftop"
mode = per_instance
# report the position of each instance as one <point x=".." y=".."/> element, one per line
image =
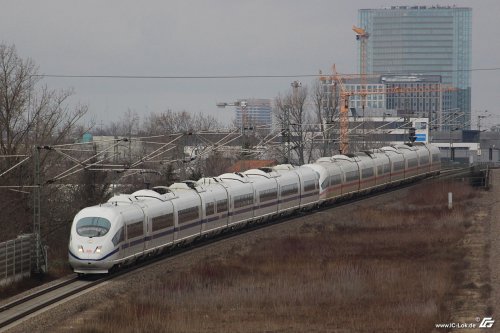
<point x="243" y="165"/>
<point x="417" y="7"/>
<point x="388" y="78"/>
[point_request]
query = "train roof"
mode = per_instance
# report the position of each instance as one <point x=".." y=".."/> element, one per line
<point x="153" y="194"/>
<point x="283" y="167"/>
<point x="122" y="198"/>
<point x="236" y="176"/>
<point x="262" y="172"/>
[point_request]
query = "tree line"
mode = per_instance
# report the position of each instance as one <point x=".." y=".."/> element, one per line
<point x="34" y="117"/>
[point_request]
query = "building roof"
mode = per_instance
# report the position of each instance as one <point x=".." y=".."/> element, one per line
<point x="243" y="165"/>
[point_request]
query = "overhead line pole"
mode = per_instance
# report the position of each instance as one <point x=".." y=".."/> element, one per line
<point x="37" y="210"/>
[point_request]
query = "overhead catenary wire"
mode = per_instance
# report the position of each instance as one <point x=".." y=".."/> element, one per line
<point x="221" y="144"/>
<point x="100" y="166"/>
<point x="83" y="164"/>
<point x="12" y="156"/>
<point x="155" y="152"/>
<point x="15" y="166"/>
<point x="236" y="76"/>
<point x="63" y="174"/>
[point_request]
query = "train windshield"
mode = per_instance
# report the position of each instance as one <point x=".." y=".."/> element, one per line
<point x="93" y="226"/>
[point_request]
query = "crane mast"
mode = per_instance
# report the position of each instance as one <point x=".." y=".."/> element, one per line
<point x="344" y="112"/>
<point x="362" y="36"/>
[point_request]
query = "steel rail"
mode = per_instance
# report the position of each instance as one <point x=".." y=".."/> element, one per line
<point x="36" y="294"/>
<point x="28" y="305"/>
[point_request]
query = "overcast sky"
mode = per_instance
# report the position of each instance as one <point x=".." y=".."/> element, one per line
<point x="209" y="38"/>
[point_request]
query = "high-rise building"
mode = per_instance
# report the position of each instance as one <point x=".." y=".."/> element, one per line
<point x="433" y="40"/>
<point x="255" y="113"/>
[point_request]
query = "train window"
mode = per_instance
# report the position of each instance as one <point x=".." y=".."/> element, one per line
<point x="92" y="226"/>
<point x="412" y="162"/>
<point x="135" y="229"/>
<point x="309" y="185"/>
<point x="399" y="165"/>
<point x="209" y="208"/>
<point x="222" y="206"/>
<point x="268" y="195"/>
<point x="351" y="176"/>
<point x="289" y="190"/>
<point x="435" y="158"/>
<point x="243" y="200"/>
<point x="366" y="173"/>
<point x="188" y="214"/>
<point x="324" y="184"/>
<point x="334" y="179"/>
<point x="387" y="168"/>
<point x="118" y="237"/>
<point x="162" y="222"/>
<point x="380" y="169"/>
<point x="424" y="159"/>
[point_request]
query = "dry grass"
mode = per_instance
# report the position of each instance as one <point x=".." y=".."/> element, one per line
<point x="371" y="269"/>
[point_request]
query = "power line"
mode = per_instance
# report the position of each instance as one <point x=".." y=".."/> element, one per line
<point x="200" y="77"/>
<point x="171" y="76"/>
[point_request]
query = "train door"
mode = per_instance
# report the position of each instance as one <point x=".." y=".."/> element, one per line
<point x="135" y="232"/>
<point x="147" y="232"/>
<point x="146" y="229"/>
<point x="161" y="228"/>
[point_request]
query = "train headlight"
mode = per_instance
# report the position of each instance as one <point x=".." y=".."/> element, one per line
<point x="80" y="248"/>
<point x="98" y="249"/>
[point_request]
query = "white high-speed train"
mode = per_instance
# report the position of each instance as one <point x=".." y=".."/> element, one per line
<point x="146" y="222"/>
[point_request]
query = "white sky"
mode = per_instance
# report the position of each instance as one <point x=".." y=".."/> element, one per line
<point x="209" y="38"/>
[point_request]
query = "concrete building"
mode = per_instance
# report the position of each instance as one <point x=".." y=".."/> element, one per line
<point x="376" y="130"/>
<point x="433" y="40"/>
<point x="468" y="146"/>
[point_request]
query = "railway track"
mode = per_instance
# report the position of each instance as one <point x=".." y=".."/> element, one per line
<point x="23" y="307"/>
<point x="13" y="312"/>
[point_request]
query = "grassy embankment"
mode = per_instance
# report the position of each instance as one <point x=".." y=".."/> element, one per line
<point x="383" y="268"/>
<point x="378" y="268"/>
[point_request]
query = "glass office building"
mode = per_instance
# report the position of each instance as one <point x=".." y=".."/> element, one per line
<point x="433" y="40"/>
<point x="254" y="113"/>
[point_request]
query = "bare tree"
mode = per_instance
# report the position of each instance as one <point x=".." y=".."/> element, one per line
<point x="29" y="115"/>
<point x="129" y="125"/>
<point x="169" y="122"/>
<point x="325" y="100"/>
<point x="290" y="114"/>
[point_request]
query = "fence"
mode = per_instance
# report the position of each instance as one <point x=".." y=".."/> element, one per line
<point x="15" y="258"/>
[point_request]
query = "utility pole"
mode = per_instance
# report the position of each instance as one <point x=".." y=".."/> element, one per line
<point x="295" y="85"/>
<point x="479" y="120"/>
<point x="295" y="89"/>
<point x="362" y="35"/>
<point x="244" y="117"/>
<point x="37" y="210"/>
<point x="287" y="133"/>
<point x="242" y="104"/>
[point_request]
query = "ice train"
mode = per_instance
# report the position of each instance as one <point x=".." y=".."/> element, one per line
<point x="146" y="222"/>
